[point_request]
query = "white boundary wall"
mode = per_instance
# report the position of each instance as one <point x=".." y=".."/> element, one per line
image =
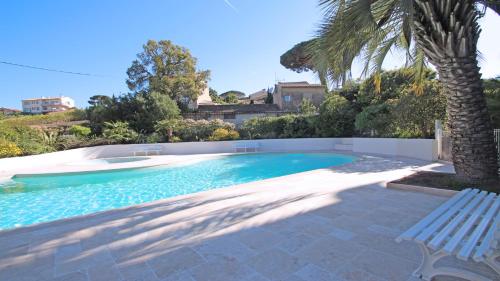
<point x="424" y="149"/>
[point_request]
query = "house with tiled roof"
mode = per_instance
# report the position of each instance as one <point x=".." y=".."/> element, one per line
<point x="287" y="98"/>
<point x="289" y="95"/>
<point x="234" y="113"/>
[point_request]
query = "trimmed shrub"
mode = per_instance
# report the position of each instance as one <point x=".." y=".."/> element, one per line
<point x="224" y="134"/>
<point x="287" y="126"/>
<point x="264" y="127"/>
<point x="300" y="126"/>
<point x="199" y="130"/>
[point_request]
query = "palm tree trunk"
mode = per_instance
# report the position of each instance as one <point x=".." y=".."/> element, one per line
<point x="447" y="31"/>
<point x="473" y="147"/>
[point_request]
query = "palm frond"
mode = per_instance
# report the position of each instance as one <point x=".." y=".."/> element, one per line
<point x="366" y="29"/>
<point x="419" y="66"/>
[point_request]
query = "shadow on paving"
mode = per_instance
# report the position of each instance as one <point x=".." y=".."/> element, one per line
<point x="239" y="234"/>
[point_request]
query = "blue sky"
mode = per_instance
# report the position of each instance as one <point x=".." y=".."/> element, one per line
<point x="240" y="41"/>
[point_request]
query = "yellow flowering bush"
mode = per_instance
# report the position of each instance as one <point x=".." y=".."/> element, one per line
<point x="224" y="134"/>
<point x="9" y="149"/>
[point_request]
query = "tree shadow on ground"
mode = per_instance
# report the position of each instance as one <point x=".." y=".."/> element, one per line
<point x="303" y="232"/>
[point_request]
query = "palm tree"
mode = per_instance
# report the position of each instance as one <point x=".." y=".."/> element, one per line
<point x="442" y="32"/>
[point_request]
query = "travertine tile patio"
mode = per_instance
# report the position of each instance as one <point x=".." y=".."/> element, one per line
<point x="330" y="224"/>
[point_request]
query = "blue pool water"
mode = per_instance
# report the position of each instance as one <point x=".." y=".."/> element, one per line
<point x="29" y="200"/>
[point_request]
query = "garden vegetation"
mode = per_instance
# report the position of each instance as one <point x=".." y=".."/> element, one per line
<point x="443" y="33"/>
<point x="384" y="105"/>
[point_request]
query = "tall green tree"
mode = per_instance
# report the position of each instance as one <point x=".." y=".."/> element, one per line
<point x="98" y="100"/>
<point x="168" y="69"/>
<point x="442" y="32"/>
<point x="141" y="111"/>
<point x="269" y="99"/>
<point x="151" y="108"/>
<point x="415" y="113"/>
<point x="336" y="117"/>
<point x="298" y="58"/>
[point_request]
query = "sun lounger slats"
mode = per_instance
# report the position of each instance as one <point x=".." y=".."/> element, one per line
<point x="416" y="229"/>
<point x="467" y="226"/>
<point x="444" y="218"/>
<point x="488" y="242"/>
<point x="479" y="231"/>
<point x="454" y="223"/>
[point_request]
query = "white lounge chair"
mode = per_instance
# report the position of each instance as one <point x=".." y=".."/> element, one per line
<point x="147" y="150"/>
<point x="246" y="146"/>
<point x="467" y="226"/>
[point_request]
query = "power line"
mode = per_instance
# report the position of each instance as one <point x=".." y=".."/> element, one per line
<point x="49" y="69"/>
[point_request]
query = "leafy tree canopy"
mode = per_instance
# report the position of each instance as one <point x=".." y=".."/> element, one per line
<point x="98" y="100"/>
<point x="297" y="58"/>
<point x="141" y="111"/>
<point x="168" y="69"/>
<point x="389" y="84"/>
<point x="150" y="108"/>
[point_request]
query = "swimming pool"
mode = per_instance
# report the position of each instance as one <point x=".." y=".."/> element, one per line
<point x="30" y="200"/>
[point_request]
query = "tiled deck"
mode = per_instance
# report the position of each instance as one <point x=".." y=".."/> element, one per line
<point x="321" y="225"/>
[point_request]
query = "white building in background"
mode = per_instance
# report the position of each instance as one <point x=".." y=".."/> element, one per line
<point x="47" y="104"/>
<point x="203" y="99"/>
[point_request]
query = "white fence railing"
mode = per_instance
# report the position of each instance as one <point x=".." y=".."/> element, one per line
<point x="496" y="133"/>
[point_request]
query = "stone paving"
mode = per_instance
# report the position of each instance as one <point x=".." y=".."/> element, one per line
<point x="330" y="224"/>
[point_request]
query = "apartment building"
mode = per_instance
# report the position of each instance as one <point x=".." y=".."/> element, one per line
<point x="47" y="104"/>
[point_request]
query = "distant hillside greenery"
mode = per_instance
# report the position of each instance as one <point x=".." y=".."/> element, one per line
<point x="40" y="119"/>
<point x="29" y="134"/>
